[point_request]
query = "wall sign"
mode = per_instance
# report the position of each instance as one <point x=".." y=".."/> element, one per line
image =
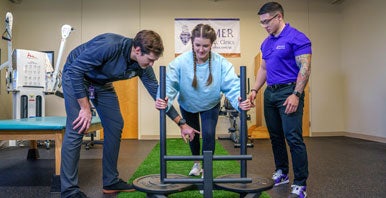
<point x="227" y="29"/>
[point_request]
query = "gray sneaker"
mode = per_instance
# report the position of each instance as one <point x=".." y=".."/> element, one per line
<point x="196" y="170"/>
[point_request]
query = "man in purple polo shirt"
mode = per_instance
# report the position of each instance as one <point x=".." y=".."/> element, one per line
<point x="286" y="68"/>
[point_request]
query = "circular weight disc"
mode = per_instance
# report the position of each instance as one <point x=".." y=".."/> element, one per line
<point x="152" y="184"/>
<point x="258" y="184"/>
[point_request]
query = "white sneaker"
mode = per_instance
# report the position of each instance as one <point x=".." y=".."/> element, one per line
<point x="202" y="177"/>
<point x="196" y="170"/>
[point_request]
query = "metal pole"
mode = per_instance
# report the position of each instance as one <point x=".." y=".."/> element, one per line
<point x="244" y="180"/>
<point x="200" y="157"/>
<point x="243" y="122"/>
<point x="66" y="30"/>
<point x="208" y="177"/>
<point x="162" y="124"/>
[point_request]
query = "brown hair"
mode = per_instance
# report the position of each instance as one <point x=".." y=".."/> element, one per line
<point x="149" y="41"/>
<point x="207" y="32"/>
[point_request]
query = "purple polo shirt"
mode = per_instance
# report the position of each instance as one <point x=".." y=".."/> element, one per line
<point x="279" y="55"/>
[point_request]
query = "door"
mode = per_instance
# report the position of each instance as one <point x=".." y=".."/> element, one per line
<point x="259" y="129"/>
<point x="127" y="91"/>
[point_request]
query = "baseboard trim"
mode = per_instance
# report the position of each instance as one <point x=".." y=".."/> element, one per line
<point x="366" y="137"/>
<point x="328" y="134"/>
<point x="313" y="134"/>
<point x="350" y="134"/>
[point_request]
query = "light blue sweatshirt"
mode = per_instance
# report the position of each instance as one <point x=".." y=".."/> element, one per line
<point x="179" y="79"/>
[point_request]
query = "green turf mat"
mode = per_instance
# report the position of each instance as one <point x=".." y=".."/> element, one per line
<point x="151" y="165"/>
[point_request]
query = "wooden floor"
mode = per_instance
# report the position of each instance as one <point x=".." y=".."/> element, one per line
<point x="338" y="166"/>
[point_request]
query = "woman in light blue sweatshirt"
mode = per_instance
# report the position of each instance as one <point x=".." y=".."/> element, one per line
<point x="199" y="78"/>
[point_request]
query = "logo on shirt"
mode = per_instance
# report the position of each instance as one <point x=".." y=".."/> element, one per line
<point x="280" y="47"/>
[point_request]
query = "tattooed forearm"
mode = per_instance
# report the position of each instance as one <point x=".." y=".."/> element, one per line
<point x="304" y="63"/>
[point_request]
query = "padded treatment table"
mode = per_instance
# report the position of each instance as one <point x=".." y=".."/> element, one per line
<point x="41" y="128"/>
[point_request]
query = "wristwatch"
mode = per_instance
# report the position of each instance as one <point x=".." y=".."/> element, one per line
<point x="181" y="122"/>
<point x="296" y="93"/>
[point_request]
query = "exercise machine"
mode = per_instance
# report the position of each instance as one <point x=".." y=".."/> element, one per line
<point x="232" y="114"/>
<point x="30" y="76"/>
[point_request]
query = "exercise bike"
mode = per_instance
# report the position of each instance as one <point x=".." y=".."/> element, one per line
<point x="232" y="114"/>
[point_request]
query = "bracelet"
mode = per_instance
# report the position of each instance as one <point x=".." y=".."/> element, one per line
<point x="255" y="90"/>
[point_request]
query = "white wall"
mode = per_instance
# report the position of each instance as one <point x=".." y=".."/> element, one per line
<point x="345" y="38"/>
<point x="363" y="49"/>
<point x="326" y="85"/>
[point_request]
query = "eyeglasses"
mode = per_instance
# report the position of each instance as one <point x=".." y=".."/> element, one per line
<point x="267" y="21"/>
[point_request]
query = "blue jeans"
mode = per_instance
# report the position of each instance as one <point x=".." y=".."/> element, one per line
<point x="208" y="122"/>
<point x="107" y="106"/>
<point x="282" y="127"/>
